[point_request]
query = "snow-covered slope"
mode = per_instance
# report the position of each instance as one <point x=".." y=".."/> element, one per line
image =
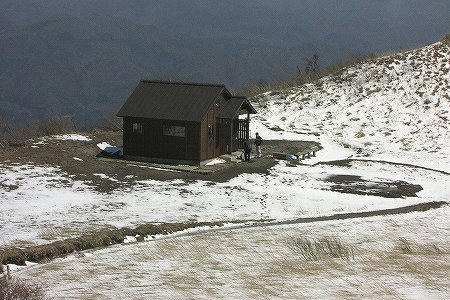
<point x="393" y="105"/>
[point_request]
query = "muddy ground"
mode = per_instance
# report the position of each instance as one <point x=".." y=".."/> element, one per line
<point x="61" y="153"/>
<point x="352" y="184"/>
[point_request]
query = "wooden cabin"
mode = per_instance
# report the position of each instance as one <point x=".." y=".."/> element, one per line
<point x="183" y="123"/>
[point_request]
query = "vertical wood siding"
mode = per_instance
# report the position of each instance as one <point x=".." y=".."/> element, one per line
<point x="152" y="143"/>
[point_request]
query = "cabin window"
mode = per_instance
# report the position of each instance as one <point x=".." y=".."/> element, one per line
<point x="179" y="131"/>
<point x="137" y="127"/>
<point x="211" y="132"/>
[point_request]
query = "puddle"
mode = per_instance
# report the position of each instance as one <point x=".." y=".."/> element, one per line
<point x="352" y="184"/>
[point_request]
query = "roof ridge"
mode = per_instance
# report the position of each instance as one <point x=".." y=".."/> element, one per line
<point x="183" y="83"/>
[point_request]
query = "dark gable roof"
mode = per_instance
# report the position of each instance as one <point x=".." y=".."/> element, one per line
<point x="233" y="105"/>
<point x="169" y="100"/>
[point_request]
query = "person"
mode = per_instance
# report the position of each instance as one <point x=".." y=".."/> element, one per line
<point x="258" y="142"/>
<point x="247" y="151"/>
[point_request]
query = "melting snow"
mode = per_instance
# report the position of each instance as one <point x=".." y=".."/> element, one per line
<point x="71" y="137"/>
<point x="109" y="148"/>
<point x="395" y="107"/>
<point x="216" y="161"/>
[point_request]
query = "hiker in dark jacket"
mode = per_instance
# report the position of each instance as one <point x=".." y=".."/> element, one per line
<point x="247" y="151"/>
<point x="258" y="142"/>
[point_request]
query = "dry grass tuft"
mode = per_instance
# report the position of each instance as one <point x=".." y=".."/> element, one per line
<point x="101" y="238"/>
<point x="13" y="289"/>
<point x="298" y="79"/>
<point x="320" y="249"/>
<point x="408" y="247"/>
<point x="50" y="126"/>
<point x="446" y="39"/>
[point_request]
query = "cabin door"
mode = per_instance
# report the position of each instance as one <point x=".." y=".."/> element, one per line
<point x="243" y="132"/>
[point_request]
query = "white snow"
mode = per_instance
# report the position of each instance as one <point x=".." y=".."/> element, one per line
<point x="395" y="108"/>
<point x="216" y="161"/>
<point x="33" y="201"/>
<point x="109" y="148"/>
<point x="254" y="263"/>
<point x="130" y="239"/>
<point x="71" y="137"/>
<point x="104" y="176"/>
<point x="78" y="159"/>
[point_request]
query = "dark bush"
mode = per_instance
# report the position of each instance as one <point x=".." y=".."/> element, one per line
<point x="13" y="256"/>
<point x="50" y="126"/>
<point x="98" y="239"/>
<point x="14" y="289"/>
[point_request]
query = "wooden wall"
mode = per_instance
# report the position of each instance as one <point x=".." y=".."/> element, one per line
<point x="197" y="145"/>
<point x="210" y="147"/>
<point x="152" y="143"/>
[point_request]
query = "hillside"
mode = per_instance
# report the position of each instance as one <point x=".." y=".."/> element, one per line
<point x="388" y="106"/>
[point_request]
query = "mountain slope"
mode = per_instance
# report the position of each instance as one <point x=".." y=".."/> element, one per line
<point x="86" y="67"/>
<point x="398" y="103"/>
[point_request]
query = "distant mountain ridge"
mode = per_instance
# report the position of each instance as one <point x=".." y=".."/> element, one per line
<point x="87" y="66"/>
<point x="82" y="58"/>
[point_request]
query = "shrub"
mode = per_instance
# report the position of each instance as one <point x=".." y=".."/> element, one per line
<point x="408" y="247"/>
<point x="14" y="289"/>
<point x="251" y="90"/>
<point x="12" y="256"/>
<point x="101" y="238"/>
<point x="359" y="134"/>
<point x="44" y="127"/>
<point x="323" y="248"/>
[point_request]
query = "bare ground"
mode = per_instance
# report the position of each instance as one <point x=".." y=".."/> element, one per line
<point x="62" y="153"/>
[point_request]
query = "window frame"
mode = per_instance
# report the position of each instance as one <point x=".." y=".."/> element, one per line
<point x="174" y="130"/>
<point x="137" y="127"/>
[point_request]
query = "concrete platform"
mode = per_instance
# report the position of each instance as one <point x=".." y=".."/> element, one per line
<point x="180" y="168"/>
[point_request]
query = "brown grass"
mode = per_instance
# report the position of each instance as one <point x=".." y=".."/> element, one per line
<point x="101" y="238"/>
<point x="50" y="126"/>
<point x="14" y="289"/>
<point x="407" y="247"/>
<point x="298" y="79"/>
<point x="320" y="249"/>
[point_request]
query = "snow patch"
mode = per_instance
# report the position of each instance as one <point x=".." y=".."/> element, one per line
<point x="104" y="176"/>
<point x="215" y="162"/>
<point x="71" y="137"/>
<point x="109" y="148"/>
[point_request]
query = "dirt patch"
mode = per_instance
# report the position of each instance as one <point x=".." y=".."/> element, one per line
<point x="352" y="184"/>
<point x="78" y="160"/>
